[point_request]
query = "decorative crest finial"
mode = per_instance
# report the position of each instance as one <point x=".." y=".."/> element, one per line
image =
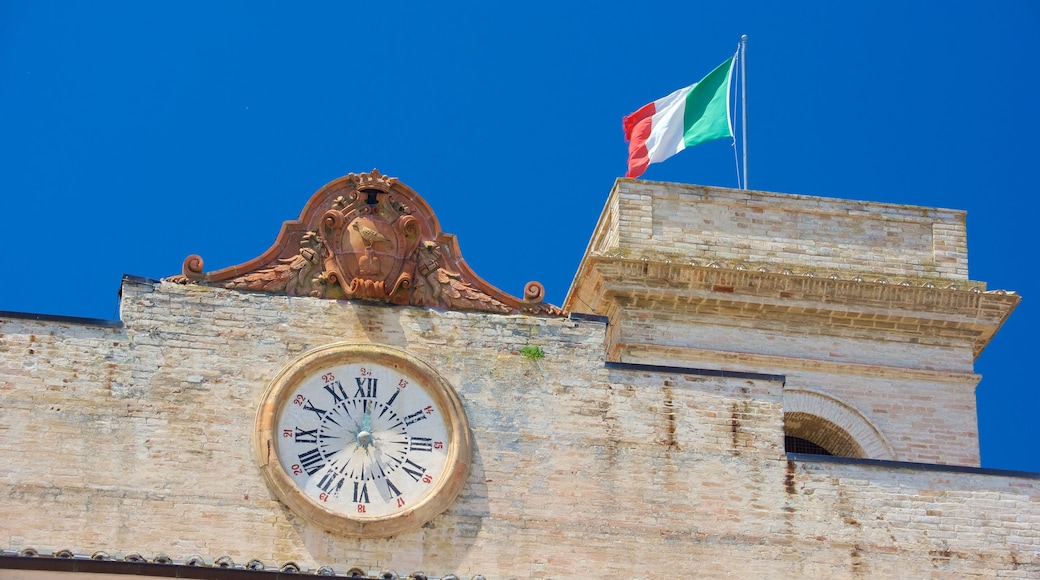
<point x="372" y="180"/>
<point x="367" y="236"/>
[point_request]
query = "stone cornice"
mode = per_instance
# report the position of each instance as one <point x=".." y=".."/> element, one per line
<point x="970" y="313"/>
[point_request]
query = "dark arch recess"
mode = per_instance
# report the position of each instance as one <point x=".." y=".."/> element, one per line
<point x="821" y="433"/>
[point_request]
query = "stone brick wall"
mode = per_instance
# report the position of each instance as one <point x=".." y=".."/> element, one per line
<point x="684" y="222"/>
<point x="955" y="524"/>
<point x="138" y="439"/>
<point x="923" y="415"/>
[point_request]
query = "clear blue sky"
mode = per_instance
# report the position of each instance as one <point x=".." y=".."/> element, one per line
<point x="137" y="133"/>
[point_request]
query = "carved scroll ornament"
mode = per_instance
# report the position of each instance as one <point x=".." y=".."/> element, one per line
<point x="369" y="237"/>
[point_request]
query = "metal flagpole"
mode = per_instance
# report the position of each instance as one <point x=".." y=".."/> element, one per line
<point x="731" y="104"/>
<point x="743" y="98"/>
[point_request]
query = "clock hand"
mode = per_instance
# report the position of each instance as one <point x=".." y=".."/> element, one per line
<point x="366" y="423"/>
<point x="364" y="436"/>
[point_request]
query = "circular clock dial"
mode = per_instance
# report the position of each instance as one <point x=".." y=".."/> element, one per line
<point x="363" y="439"/>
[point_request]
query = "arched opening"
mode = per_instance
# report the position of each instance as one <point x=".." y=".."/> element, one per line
<point x="832" y="424"/>
<point x="794" y="444"/>
<point x="820" y="434"/>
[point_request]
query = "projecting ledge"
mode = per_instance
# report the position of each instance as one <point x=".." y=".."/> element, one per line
<point x="611" y="285"/>
<point x="920" y="467"/>
<point x="657" y="354"/>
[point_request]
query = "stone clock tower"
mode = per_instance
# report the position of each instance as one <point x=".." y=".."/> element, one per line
<point x="738" y="382"/>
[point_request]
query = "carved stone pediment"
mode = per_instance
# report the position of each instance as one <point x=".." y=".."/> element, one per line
<point x="369" y="237"/>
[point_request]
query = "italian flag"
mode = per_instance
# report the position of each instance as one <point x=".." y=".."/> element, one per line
<point x="690" y="116"/>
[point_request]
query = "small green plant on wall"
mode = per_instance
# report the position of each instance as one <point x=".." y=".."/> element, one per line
<point x="532" y="352"/>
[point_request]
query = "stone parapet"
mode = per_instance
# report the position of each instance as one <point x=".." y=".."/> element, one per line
<point x="683" y="223"/>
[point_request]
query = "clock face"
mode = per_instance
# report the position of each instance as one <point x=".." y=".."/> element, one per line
<point x="362" y="439"/>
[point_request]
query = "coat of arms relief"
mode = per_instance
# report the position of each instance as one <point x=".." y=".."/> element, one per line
<point x="369" y="237"/>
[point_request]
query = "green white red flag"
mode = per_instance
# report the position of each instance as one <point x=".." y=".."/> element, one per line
<point x="690" y="116"/>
